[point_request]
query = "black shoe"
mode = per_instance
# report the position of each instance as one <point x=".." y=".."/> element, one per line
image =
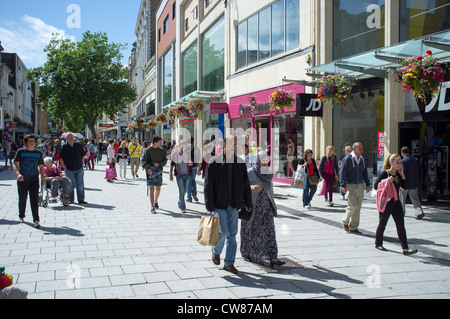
<point x="380" y="248"/>
<point x="156" y="205"/>
<point x="409" y="252"/>
<point x="82" y="202"/>
<point x="420" y="217"/>
<point x="276" y="263"/>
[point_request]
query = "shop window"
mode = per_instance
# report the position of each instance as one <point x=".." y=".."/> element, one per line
<point x="213" y="57"/>
<point x="358" y="26"/>
<point x="168" y="77"/>
<point x="270" y="32"/>
<point x="423" y="17"/>
<point x="190" y="69"/>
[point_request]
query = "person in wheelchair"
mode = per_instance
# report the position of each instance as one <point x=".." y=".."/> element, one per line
<point x="54" y="179"/>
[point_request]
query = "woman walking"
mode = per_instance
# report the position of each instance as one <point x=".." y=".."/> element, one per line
<point x="393" y="172"/>
<point x="329" y="171"/>
<point x="122" y="155"/>
<point x="313" y="176"/>
<point x="111" y="157"/>
<point x="258" y="238"/>
<point x="183" y="171"/>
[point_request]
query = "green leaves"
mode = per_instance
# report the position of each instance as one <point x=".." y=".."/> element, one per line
<point x="83" y="80"/>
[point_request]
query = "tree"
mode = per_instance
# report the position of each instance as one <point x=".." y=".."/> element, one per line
<point x="82" y="81"/>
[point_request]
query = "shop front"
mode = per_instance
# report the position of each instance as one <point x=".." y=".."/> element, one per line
<point x="280" y="133"/>
<point x="426" y="131"/>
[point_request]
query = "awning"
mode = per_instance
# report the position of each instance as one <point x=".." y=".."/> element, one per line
<point x="377" y="63"/>
<point x="206" y="95"/>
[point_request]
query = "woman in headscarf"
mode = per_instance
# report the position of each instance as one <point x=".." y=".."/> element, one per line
<point x="258" y="238"/>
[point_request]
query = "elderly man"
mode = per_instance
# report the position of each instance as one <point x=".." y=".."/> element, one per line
<point x="72" y="157"/>
<point x="352" y="177"/>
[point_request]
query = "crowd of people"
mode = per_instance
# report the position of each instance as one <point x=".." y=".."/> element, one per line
<point x="233" y="181"/>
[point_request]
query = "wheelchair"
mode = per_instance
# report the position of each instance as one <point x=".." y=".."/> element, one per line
<point x="45" y="194"/>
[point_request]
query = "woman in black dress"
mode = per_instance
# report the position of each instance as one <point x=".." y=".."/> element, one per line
<point x="258" y="238"/>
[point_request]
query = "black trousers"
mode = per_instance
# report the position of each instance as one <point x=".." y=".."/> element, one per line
<point x="395" y="209"/>
<point x="31" y="188"/>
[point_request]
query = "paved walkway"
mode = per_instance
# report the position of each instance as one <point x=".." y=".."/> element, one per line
<point x="114" y="248"/>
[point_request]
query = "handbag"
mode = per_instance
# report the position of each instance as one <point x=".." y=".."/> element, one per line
<point x="244" y="214"/>
<point x="208" y="232"/>
<point x="313" y="180"/>
<point x="111" y="173"/>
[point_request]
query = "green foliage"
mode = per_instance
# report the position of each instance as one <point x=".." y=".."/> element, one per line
<point x="82" y="81"/>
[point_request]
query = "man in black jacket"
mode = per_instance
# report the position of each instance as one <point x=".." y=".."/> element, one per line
<point x="227" y="189"/>
<point x="412" y="171"/>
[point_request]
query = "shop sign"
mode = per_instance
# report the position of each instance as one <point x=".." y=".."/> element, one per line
<point x="218" y="108"/>
<point x="106" y="125"/>
<point x="255" y="108"/>
<point x="380" y="142"/>
<point x="310" y="106"/>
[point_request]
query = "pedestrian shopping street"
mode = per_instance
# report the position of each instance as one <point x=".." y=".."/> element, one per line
<point x="113" y="247"/>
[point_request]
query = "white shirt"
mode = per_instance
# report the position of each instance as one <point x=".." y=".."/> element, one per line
<point x="356" y="158"/>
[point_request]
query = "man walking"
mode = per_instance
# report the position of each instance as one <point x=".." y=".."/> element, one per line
<point x="226" y="190"/>
<point x="352" y="177"/>
<point x="412" y="171"/>
<point x="135" y="151"/>
<point x="153" y="162"/>
<point x="72" y="158"/>
<point x="28" y="164"/>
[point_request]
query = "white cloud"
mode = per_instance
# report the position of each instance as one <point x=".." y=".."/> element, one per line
<point x="28" y="39"/>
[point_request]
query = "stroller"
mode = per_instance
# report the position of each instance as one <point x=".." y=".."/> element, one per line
<point x="45" y="194"/>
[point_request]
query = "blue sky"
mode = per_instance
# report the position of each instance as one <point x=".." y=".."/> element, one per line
<point x="26" y="26"/>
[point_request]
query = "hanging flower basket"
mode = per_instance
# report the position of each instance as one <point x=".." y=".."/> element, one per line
<point x="422" y="75"/>
<point x="196" y="105"/>
<point x="336" y="88"/>
<point x="281" y="99"/>
<point x="183" y="110"/>
<point x="151" y="125"/>
<point x="161" y="118"/>
<point x="173" y="114"/>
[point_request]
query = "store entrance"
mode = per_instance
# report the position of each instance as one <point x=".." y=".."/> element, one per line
<point x="429" y="142"/>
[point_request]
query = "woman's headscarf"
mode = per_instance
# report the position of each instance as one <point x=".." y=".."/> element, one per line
<point x="265" y="175"/>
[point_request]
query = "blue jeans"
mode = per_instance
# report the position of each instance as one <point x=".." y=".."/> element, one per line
<point x="192" y="188"/>
<point x="76" y="180"/>
<point x="308" y="193"/>
<point x="229" y="221"/>
<point x="183" y="184"/>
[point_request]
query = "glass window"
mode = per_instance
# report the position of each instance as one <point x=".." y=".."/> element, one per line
<point x="358" y="26"/>
<point x="264" y="34"/>
<point x="269" y="33"/>
<point x="252" y="43"/>
<point x="213" y="62"/>
<point x="166" y="24"/>
<point x="422" y="17"/>
<point x="168" y="77"/>
<point x="278" y="28"/>
<point x="190" y="69"/>
<point x="292" y="24"/>
<point x="242" y="45"/>
<point x="360" y="121"/>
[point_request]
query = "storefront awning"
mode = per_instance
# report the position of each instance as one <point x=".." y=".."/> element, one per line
<point x="205" y="95"/>
<point x="377" y="63"/>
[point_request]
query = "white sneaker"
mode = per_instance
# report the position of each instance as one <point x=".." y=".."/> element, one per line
<point x="37" y="225"/>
